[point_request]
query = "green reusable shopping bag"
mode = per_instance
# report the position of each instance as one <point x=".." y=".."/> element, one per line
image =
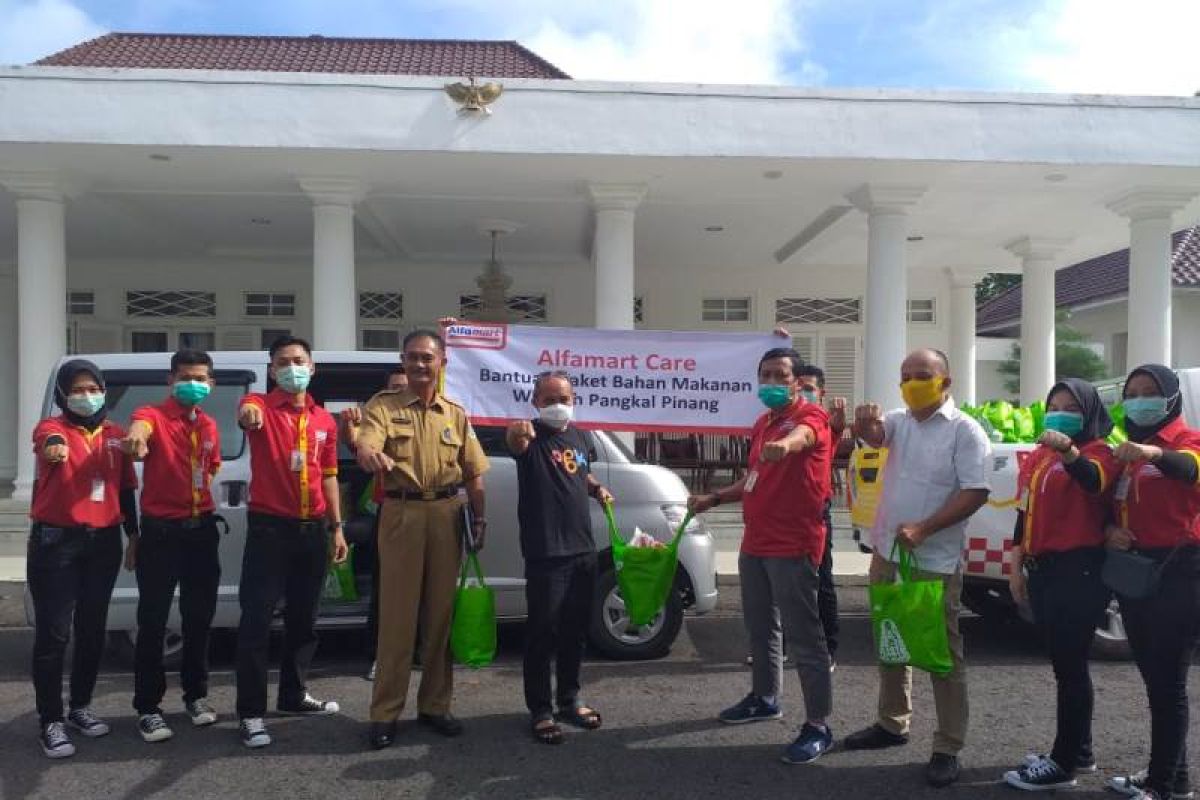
<point x="340" y="586"/>
<point x="473" y="632"/>
<point x="909" y="620"/>
<point x="645" y="575"/>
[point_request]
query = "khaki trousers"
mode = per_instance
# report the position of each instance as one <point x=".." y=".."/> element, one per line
<point x="949" y="691"/>
<point x="419" y="553"/>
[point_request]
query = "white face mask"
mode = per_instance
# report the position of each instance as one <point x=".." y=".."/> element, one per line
<point x="557" y="415"/>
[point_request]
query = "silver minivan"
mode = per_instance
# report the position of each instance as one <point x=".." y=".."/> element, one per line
<point x="649" y="497"/>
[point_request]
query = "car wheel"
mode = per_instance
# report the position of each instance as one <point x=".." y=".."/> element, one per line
<point x="614" y="636"/>
<point x="1111" y="641"/>
<point x="124" y="645"/>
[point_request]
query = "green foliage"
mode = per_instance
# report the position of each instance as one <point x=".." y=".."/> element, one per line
<point x="993" y="284"/>
<point x="1072" y="358"/>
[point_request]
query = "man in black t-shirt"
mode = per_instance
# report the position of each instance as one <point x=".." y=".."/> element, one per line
<point x="554" y="480"/>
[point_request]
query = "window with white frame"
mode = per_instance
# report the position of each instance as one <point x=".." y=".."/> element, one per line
<point x="380" y="339"/>
<point x="267" y="336"/>
<point x="818" y="310"/>
<point x="922" y="310"/>
<point x="380" y="305"/>
<point x="725" y="309"/>
<point x="81" y="303"/>
<point x="270" y="304"/>
<point x="523" y="307"/>
<point x="172" y="303"/>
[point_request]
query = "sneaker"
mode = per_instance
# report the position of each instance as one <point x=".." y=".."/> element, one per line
<point x="55" y="742"/>
<point x="153" y="728"/>
<point x="1135" y="786"/>
<point x="1040" y="776"/>
<point x="875" y="737"/>
<point x="201" y="712"/>
<point x="752" y="708"/>
<point x="811" y="744"/>
<point x="373" y="670"/>
<point x="254" y="732"/>
<point x="310" y="706"/>
<point x="87" y="723"/>
<point x="1085" y="764"/>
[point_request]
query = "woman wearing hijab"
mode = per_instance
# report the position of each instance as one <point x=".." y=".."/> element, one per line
<point x="1057" y="555"/>
<point x="83" y="491"/>
<point x="1158" y="514"/>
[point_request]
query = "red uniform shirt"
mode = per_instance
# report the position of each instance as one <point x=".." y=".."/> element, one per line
<point x="1059" y="514"/>
<point x="783" y="503"/>
<point x="1162" y="511"/>
<point x="184" y="456"/>
<point x="293" y="451"/>
<point x="84" y="490"/>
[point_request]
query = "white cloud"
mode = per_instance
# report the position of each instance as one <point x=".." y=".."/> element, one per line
<point x="704" y="41"/>
<point x="1115" y="47"/>
<point x="33" y="30"/>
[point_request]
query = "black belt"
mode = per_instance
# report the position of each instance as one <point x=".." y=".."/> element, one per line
<point x="76" y="528"/>
<point x="185" y="523"/>
<point x="427" y="495"/>
<point x="274" y="521"/>
<point x="1079" y="557"/>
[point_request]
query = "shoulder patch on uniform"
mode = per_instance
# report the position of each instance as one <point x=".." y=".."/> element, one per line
<point x="450" y="402"/>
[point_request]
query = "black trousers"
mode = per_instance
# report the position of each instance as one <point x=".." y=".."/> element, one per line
<point x="1068" y="601"/>
<point x="283" y="558"/>
<point x="827" y="603"/>
<point x="558" y="594"/>
<point x="170" y="555"/>
<point x="70" y="573"/>
<point x="1163" y="630"/>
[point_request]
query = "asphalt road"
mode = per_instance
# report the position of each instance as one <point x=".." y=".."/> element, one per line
<point x="659" y="739"/>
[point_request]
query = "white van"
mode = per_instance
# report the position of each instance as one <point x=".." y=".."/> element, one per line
<point x="649" y="497"/>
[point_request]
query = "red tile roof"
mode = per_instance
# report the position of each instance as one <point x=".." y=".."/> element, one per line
<point x="1100" y="278"/>
<point x="444" y="58"/>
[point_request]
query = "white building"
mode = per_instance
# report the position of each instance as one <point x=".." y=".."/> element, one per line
<point x="1095" y="293"/>
<point x="161" y="191"/>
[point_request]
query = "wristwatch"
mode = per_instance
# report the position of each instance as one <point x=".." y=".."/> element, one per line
<point x="336" y="526"/>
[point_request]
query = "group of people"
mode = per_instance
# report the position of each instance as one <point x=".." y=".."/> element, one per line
<point x="1079" y="499"/>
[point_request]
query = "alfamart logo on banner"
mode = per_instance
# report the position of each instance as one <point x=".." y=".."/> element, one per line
<point x="624" y="380"/>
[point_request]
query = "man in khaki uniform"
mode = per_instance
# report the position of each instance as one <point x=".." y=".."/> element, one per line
<point x="425" y="448"/>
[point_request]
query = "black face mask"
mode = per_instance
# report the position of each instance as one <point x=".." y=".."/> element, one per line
<point x="63" y="381"/>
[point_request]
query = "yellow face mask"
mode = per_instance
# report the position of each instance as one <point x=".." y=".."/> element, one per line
<point x="921" y="394"/>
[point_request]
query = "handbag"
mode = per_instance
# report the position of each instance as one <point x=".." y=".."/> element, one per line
<point x="908" y="618"/>
<point x="645" y="575"/>
<point x="1132" y="574"/>
<point x="473" y="630"/>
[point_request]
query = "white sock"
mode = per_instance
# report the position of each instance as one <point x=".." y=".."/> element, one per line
<point x="769" y="699"/>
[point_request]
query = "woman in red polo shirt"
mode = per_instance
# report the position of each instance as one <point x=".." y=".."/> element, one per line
<point x="1058" y="552"/>
<point x="83" y="491"/>
<point x="1158" y="513"/>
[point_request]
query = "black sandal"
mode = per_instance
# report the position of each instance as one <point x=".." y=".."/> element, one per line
<point x="581" y="715"/>
<point x="546" y="734"/>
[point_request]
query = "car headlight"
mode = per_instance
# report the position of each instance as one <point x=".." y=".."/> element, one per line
<point x="674" y="514"/>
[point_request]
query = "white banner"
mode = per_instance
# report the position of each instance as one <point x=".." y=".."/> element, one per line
<point x="689" y="381"/>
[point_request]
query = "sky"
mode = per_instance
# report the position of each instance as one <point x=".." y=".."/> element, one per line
<point x="1078" y="46"/>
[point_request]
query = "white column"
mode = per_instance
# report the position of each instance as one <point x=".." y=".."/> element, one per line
<point x="962" y="333"/>
<point x="1037" y="314"/>
<point x="9" y="354"/>
<point x="1149" y="213"/>
<point x="887" y="286"/>
<point x="41" y="303"/>
<point x="335" y="293"/>
<point x="612" y="252"/>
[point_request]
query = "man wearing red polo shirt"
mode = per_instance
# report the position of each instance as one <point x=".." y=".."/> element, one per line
<point x="783" y="504"/>
<point x="293" y="495"/>
<point x="181" y="450"/>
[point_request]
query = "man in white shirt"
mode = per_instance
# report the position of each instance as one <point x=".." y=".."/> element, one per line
<point x="934" y="480"/>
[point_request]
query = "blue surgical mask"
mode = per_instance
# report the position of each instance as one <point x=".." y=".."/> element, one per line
<point x="774" y="395"/>
<point x="85" y="405"/>
<point x="1065" y="422"/>
<point x="293" y="379"/>
<point x="190" y="393"/>
<point x="1145" y="411"/>
<point x="810" y="395"/>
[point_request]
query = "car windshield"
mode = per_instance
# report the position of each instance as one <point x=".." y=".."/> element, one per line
<point x="221" y="405"/>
